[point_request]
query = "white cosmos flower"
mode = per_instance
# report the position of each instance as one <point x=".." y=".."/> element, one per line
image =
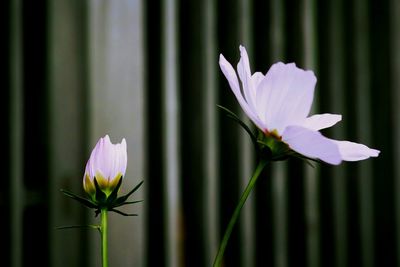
<point x="107" y="164"/>
<point x="279" y="104"/>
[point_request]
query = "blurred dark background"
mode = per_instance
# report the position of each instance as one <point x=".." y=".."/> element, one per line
<point x="73" y="71"/>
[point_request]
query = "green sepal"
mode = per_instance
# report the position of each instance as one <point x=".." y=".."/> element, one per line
<point x="86" y="202"/>
<point x="268" y="147"/>
<point x="114" y="193"/>
<point x="101" y="201"/>
<point x="234" y="117"/>
<point x="101" y="197"/>
<point x="123" y="199"/>
<point x="264" y="151"/>
<point x="274" y="150"/>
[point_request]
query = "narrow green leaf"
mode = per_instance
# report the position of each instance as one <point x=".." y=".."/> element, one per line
<point x="234" y="117"/>
<point x="88" y="203"/>
<point x="309" y="163"/>
<point x="93" y="226"/>
<point x="127" y="203"/>
<point x="97" y="212"/>
<point x="122" y="213"/>
<point x="122" y="199"/>
<point x="307" y="159"/>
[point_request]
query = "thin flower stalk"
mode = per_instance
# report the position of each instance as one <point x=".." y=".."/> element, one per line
<point x="104" y="238"/>
<point x="218" y="259"/>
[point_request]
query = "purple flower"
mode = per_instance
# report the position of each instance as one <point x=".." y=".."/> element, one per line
<point x="106" y="165"/>
<point x="279" y="103"/>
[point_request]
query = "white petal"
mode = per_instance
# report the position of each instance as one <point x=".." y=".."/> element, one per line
<point x="353" y="151"/>
<point x="256" y="79"/>
<point x="284" y="96"/>
<point x="243" y="69"/>
<point x="312" y="144"/>
<point x="229" y="73"/>
<point x="231" y="76"/>
<point x="321" y="121"/>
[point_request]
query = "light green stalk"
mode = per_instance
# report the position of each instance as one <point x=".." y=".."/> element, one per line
<point x="104" y="250"/>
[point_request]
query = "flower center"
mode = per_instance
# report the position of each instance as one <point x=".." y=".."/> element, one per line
<point x="274" y="134"/>
<point x="272" y="140"/>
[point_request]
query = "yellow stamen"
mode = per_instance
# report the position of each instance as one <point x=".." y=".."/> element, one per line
<point x="274" y="134"/>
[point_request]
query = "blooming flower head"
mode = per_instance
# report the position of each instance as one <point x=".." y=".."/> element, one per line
<point x="105" y="167"/>
<point x="279" y="104"/>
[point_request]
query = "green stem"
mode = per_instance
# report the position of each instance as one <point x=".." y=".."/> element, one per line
<point x="232" y="222"/>
<point x="104" y="250"/>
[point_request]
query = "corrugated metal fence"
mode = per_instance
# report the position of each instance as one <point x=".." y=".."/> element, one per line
<point x="148" y="71"/>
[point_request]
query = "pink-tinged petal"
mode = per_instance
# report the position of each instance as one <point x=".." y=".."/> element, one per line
<point x="94" y="157"/>
<point x="114" y="163"/>
<point x="88" y="171"/>
<point x="107" y="163"/>
<point x="123" y="157"/>
<point x="321" y="121"/>
<point x="92" y="162"/>
<point x="105" y="158"/>
<point x="231" y="76"/>
<point x="312" y="144"/>
<point x="353" y="151"/>
<point x="117" y="160"/>
<point x="243" y="69"/>
<point x="284" y="96"/>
